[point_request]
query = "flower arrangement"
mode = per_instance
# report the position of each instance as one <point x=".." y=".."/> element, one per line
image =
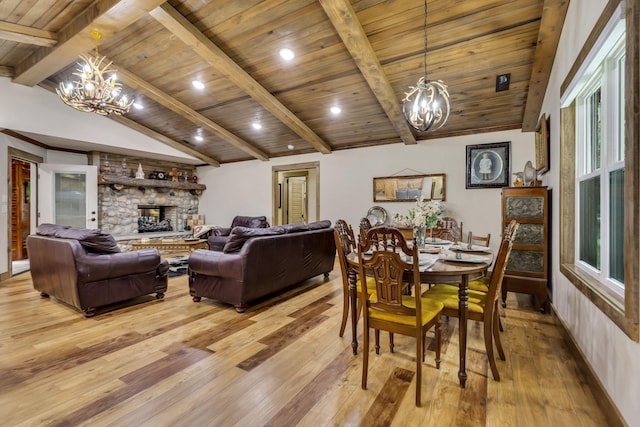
<point x="425" y="214"/>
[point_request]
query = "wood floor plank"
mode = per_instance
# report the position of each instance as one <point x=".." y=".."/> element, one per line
<point x="175" y="362"/>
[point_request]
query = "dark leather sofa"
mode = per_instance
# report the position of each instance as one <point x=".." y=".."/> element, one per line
<point x="257" y="262"/>
<point x="221" y="235"/>
<point x="85" y="268"/>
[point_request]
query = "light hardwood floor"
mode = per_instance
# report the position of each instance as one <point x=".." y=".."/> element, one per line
<point x="180" y="363"/>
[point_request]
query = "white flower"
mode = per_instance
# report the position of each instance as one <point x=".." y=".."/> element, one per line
<point x="424" y="214"/>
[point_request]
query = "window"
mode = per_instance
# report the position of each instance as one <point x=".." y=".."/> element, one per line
<point x="600" y="166"/>
<point x="600" y="173"/>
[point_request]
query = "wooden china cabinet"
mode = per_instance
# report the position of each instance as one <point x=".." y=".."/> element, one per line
<point x="528" y="267"/>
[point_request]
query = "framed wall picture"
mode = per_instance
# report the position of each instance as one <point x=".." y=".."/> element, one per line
<point x="542" y="145"/>
<point x="488" y="165"/>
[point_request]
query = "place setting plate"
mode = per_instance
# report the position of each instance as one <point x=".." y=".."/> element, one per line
<point x="464" y="247"/>
<point x="464" y="257"/>
<point x="436" y="242"/>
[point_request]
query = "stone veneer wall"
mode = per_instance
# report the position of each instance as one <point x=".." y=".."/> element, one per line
<point x="118" y="210"/>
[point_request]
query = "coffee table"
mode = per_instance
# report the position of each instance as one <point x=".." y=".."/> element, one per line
<point x="173" y="245"/>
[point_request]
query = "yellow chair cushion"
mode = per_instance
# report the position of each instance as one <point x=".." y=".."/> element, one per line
<point x="448" y="295"/>
<point x="371" y="287"/>
<point x="430" y="309"/>
<point x="481" y="285"/>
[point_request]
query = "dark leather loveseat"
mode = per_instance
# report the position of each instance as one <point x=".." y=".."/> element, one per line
<point x="257" y="262"/>
<point x="85" y="268"/>
<point x="221" y="235"/>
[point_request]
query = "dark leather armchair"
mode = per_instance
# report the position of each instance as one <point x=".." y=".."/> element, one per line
<point x="85" y="268"/>
<point x="221" y="235"/>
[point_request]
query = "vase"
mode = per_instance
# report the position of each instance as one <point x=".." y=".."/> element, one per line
<point x="418" y="236"/>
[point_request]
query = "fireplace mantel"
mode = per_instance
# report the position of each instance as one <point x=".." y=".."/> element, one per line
<point x="118" y="182"/>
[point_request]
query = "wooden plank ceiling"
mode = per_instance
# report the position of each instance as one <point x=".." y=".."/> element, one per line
<point x="359" y="55"/>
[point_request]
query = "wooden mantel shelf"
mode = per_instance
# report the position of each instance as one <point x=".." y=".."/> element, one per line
<point x="134" y="182"/>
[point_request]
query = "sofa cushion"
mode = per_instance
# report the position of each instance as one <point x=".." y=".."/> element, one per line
<point x="250" y="222"/>
<point x="93" y="240"/>
<point x="295" y="228"/>
<point x="239" y="235"/>
<point x="319" y="225"/>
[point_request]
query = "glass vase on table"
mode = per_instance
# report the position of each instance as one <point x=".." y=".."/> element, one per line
<point x="418" y="236"/>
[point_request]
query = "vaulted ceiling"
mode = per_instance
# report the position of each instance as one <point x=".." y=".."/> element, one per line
<point x="359" y="55"/>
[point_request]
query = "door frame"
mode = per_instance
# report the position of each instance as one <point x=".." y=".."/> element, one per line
<point x="276" y="191"/>
<point x="14" y="153"/>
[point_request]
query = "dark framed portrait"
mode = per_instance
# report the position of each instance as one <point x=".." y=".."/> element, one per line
<point x="488" y="165"/>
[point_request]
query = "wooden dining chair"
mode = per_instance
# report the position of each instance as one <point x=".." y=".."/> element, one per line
<point x="365" y="225"/>
<point x="482" y="284"/>
<point x="448" y="229"/>
<point x="390" y="309"/>
<point x="474" y="239"/>
<point x="483" y="306"/>
<point x="345" y="244"/>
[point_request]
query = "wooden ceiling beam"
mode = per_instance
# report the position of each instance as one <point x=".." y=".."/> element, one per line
<point x="552" y="20"/>
<point x="346" y="23"/>
<point x="23" y="34"/>
<point x="107" y="16"/>
<point x="178" y="25"/>
<point x="137" y="83"/>
<point x="6" y="71"/>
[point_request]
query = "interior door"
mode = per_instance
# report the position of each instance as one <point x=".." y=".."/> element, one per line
<point x="68" y="195"/>
<point x="296" y="199"/>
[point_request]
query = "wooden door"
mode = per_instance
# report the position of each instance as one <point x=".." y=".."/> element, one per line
<point x="20" y="208"/>
<point x="296" y="199"/>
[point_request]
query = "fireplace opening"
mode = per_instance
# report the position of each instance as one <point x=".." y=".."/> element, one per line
<point x="153" y="218"/>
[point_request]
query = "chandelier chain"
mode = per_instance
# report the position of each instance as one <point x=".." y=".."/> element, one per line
<point x="425" y="39"/>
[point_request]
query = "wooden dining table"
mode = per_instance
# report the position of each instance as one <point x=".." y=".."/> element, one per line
<point x="442" y="271"/>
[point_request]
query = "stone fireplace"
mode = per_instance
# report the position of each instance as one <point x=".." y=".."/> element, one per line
<point x="120" y="210"/>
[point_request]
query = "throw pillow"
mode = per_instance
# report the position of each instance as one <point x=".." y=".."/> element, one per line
<point x="239" y="235"/>
<point x="295" y="228"/>
<point x="318" y="225"/>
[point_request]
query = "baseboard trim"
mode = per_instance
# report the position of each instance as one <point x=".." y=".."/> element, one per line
<point x="611" y="413"/>
<point x="4" y="276"/>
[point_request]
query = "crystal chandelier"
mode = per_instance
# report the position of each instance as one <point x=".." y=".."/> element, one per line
<point x="426" y="105"/>
<point x="93" y="92"/>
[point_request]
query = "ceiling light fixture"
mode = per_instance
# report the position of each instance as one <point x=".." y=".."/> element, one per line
<point x="256" y="126"/>
<point x="426" y="105"/>
<point x="290" y="147"/>
<point x="93" y="92"/>
<point x="287" y="54"/>
<point x="335" y="110"/>
<point x="199" y="138"/>
<point x="138" y="106"/>
<point x="198" y="84"/>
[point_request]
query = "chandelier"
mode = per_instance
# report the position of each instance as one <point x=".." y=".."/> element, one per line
<point x="426" y="105"/>
<point x="93" y="92"/>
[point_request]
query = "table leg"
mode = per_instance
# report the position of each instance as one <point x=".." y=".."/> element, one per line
<point x="352" y="278"/>
<point x="463" y="308"/>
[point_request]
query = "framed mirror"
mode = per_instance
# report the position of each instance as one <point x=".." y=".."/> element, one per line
<point x="409" y="187"/>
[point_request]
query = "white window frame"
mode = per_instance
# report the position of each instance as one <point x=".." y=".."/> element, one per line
<point x="603" y="72"/>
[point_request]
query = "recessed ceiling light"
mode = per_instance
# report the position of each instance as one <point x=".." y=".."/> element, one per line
<point x="197" y="84"/>
<point x="199" y="138"/>
<point x="256" y="126"/>
<point x="335" y="110"/>
<point x="287" y="54"/>
<point x="290" y="147"/>
<point x="138" y="106"/>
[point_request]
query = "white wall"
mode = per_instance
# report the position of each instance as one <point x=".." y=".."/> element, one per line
<point x="346" y="181"/>
<point x="612" y="355"/>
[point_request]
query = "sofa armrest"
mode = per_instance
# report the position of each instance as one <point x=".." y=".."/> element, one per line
<point x="213" y="263"/>
<point x="94" y="267"/>
<point x="222" y="231"/>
